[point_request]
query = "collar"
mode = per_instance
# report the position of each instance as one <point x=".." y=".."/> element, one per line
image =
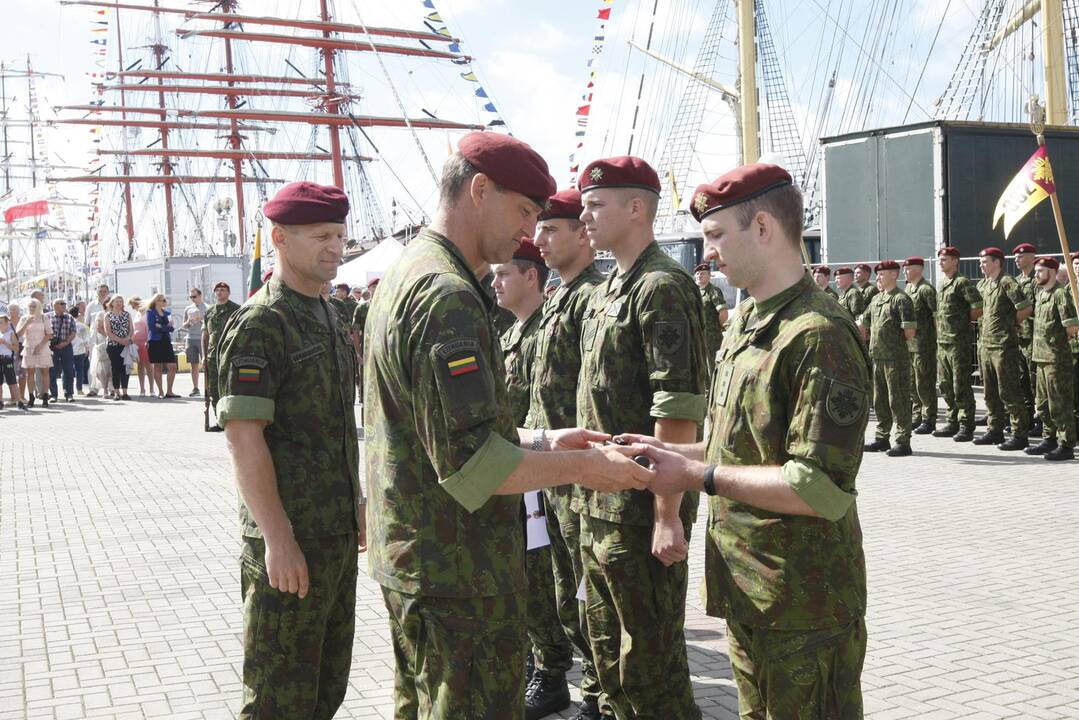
<point x="296" y="302"/>
<point x="458" y="259"/>
<point x="758" y="318"/>
<point x="617" y="282"/>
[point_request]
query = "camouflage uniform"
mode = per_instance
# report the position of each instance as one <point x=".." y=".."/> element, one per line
<point x="868" y="291"/>
<point x="553" y="404"/>
<point x="829" y="290"/>
<point x="789" y="390"/>
<point x="551" y="648"/>
<point x="999" y="358"/>
<point x="642" y="358"/>
<point x="1051" y="355"/>
<point x="1074" y="343"/>
<point x="281" y="362"/>
<point x="449" y="553"/>
<point x="853" y="300"/>
<point x="359" y="320"/>
<point x="958" y="296"/>
<point x="923" y="353"/>
<point x="216" y="317"/>
<point x="346" y="310"/>
<point x="888" y="315"/>
<point x="714" y="304"/>
<point x="1026" y="341"/>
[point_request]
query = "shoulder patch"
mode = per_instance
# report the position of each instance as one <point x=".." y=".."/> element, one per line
<point x="250" y="361"/>
<point x="844" y="402"/>
<point x="460" y="345"/>
<point x="670" y="335"/>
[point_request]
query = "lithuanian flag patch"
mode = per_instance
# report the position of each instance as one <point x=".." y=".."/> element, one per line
<point x="248" y="374"/>
<point x="463" y="366"/>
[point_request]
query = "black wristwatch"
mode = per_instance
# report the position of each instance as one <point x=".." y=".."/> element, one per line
<point x="710" y="480"/>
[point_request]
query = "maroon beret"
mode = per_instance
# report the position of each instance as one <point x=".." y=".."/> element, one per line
<point x="824" y="269"/>
<point x="737" y="186"/>
<point x="950" y="251"/>
<point x="511" y="163"/>
<point x="702" y="267"/>
<point x="564" y="204"/>
<point x="307" y="203"/>
<point x="1024" y="248"/>
<point x="886" y="265"/>
<point x="1075" y="255"/>
<point x="266" y="274"/>
<point x="372" y="284"/>
<point x="914" y="260"/>
<point x="338" y="286"/>
<point x="1050" y="262"/>
<point x="992" y="252"/>
<point x="624" y="171"/>
<point x="843" y="271"/>
<point x="223" y="284"/>
<point x="527" y="251"/>
<point x="863" y="266"/>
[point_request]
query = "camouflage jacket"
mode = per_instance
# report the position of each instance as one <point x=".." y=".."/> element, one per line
<point x="642" y="358"/>
<point x="789" y="390"/>
<point x="1054" y="312"/>
<point x="281" y="363"/>
<point x="829" y="290"/>
<point x="888" y="315"/>
<point x="502" y="318"/>
<point x="553" y="401"/>
<point x="440" y="436"/>
<point x="1031" y="292"/>
<point x="957" y="297"/>
<point x="214" y="322"/>
<point x="869" y="290"/>
<point x="853" y="300"/>
<point x="346" y="310"/>
<point x="924" y="297"/>
<point x="519" y="351"/>
<point x="359" y="319"/>
<point x="1001" y="300"/>
<point x="714" y="303"/>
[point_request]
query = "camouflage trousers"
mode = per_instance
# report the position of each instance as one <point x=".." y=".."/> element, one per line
<point x="1075" y="388"/>
<point x="550" y="646"/>
<point x="798" y="675"/>
<point x="1027" y="378"/>
<point x="636" y="610"/>
<point x="891" y="398"/>
<point x="923" y="365"/>
<point x="1056" y="394"/>
<point x="298" y="653"/>
<point x="1001" y="370"/>
<point x="564" y="527"/>
<point x="955" y="371"/>
<point x="458" y="657"/>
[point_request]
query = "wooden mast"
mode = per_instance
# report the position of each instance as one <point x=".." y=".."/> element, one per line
<point x="129" y="215"/>
<point x="234" y="141"/>
<point x="747" y="68"/>
<point x="1056" y="99"/>
<point x="333" y="103"/>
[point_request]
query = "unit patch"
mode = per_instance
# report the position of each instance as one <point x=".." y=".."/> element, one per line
<point x="844" y="403"/>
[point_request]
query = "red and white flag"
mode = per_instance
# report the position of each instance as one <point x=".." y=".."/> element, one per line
<point x="32" y="203"/>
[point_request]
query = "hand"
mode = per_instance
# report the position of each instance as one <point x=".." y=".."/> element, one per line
<point x="669" y="541"/>
<point x="286" y="567"/>
<point x="574" y="438"/>
<point x="674" y="472"/>
<point x="362" y="534"/>
<point x="634" y="439"/>
<point x="612" y="469"/>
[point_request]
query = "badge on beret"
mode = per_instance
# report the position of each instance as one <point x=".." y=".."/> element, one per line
<point x="547" y="206"/>
<point x="700" y="202"/>
<point x="844" y="403"/>
<point x="596" y="174"/>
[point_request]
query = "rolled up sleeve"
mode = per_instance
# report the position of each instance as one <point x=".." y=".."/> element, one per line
<point x="483" y="473"/>
<point x="817" y="489"/>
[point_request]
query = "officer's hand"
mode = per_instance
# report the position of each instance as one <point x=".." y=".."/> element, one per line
<point x="286" y="566"/>
<point x="634" y="439"/>
<point x="674" y="473"/>
<point x="362" y="534"/>
<point x="613" y="469"/>
<point x="575" y="438"/>
<point x="669" y="542"/>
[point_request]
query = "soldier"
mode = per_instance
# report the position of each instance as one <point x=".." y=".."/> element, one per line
<point x="217" y="316"/>
<point x="292" y="435"/>
<point x="563" y="243"/>
<point x="346" y="313"/>
<point x="359" y="319"/>
<point x="850" y="297"/>
<point x="1004" y="307"/>
<point x="715" y="308"/>
<point x="518" y="287"/>
<point x="923" y="354"/>
<point x="1025" y="255"/>
<point x="500" y="316"/>
<point x="891" y="324"/>
<point x="959" y="305"/>
<point x="861" y="281"/>
<point x="822" y="275"/>
<point x="783" y="554"/>
<point x="444" y="462"/>
<point x="1055" y="323"/>
<point x="643" y="370"/>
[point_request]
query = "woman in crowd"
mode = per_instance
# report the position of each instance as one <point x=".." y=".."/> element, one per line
<point x="80" y="347"/>
<point x="117" y="326"/>
<point x="159" y="320"/>
<point x="141" y="335"/>
<point x="9" y="348"/>
<point x="36" y="356"/>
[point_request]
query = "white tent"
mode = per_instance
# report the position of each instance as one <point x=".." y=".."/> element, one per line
<point x="372" y="264"/>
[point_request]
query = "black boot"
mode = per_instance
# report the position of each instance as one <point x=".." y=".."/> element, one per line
<point x="547" y="693"/>
<point x="878" y="445"/>
<point x="587" y="710"/>
<point x="530" y="668"/>
<point x="899" y="450"/>
<point x="22" y="406"/>
<point x="1061" y="453"/>
<point x="1014" y="442"/>
<point x="948" y="430"/>
<point x="990" y="437"/>
<point x="925" y="428"/>
<point x="1043" y="447"/>
<point x="965" y="434"/>
<point x="1036" y="427"/>
<point x="44" y="401"/>
<point x="982" y="421"/>
<point x="30" y="402"/>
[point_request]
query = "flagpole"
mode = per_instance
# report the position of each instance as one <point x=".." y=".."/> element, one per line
<point x="1037" y="126"/>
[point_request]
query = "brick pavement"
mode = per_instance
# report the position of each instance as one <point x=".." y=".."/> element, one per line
<point x="119" y="595"/>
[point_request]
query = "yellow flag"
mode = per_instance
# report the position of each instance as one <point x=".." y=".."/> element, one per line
<point x="1033" y="184"/>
